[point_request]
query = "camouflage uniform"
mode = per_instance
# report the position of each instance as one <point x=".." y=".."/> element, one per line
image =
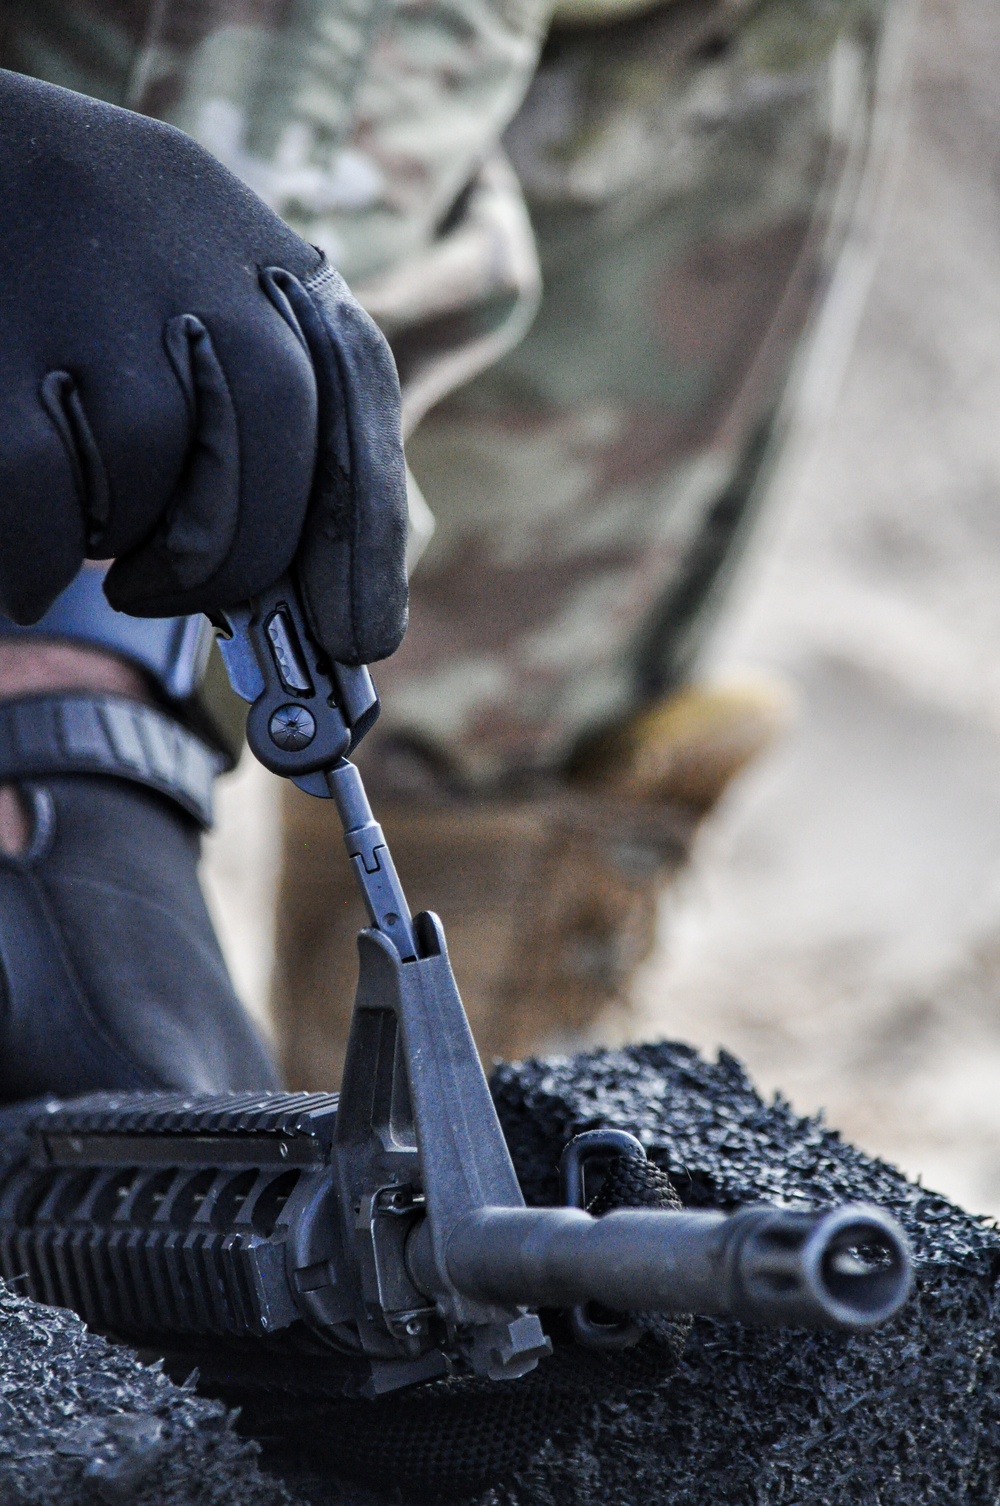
<point x="689" y="168"/>
<point x="689" y="171"/>
<point x="371" y="126"/>
<point x="683" y="170"/>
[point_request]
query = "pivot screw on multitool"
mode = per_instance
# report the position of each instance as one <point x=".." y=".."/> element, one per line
<point x="292" y="728"/>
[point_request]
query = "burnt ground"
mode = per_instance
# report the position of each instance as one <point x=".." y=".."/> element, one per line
<point x="81" y="1421"/>
<point x="910" y="1414"/>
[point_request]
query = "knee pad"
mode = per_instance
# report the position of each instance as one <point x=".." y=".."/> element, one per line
<point x="110" y="972"/>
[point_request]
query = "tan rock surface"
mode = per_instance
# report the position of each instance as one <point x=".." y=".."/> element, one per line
<point x="840" y="930"/>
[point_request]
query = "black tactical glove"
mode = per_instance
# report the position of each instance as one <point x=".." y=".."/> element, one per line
<point x="185" y="386"/>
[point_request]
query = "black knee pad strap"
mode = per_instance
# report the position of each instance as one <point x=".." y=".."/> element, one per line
<point x="107" y="734"/>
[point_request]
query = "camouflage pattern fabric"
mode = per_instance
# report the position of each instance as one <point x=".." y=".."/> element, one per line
<point x="689" y="169"/>
<point x="684" y="169"/>
<point x="689" y="174"/>
<point x="371" y="126"/>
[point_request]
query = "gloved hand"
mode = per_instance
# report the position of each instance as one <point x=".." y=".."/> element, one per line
<point x="185" y="386"/>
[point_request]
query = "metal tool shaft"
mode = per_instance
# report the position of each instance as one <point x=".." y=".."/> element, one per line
<point x="371" y="860"/>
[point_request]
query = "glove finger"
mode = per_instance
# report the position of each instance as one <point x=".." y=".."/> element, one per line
<point x="351" y="560"/>
<point x="236" y="514"/>
<point x="196" y="534"/>
<point x="201" y="524"/>
<point x="42" y="538"/>
<point x="198" y="529"/>
<point x="62" y="402"/>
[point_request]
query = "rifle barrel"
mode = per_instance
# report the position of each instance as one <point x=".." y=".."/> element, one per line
<point x="846" y="1268"/>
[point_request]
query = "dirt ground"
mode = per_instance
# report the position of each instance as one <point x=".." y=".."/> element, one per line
<point x="840" y="927"/>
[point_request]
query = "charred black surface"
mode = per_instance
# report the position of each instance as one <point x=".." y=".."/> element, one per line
<point x="906" y="1416"/>
<point x="84" y="1423"/>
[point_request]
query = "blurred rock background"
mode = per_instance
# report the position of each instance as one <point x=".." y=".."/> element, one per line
<point x="840" y="927"/>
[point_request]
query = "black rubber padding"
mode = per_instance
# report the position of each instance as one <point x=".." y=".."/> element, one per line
<point x="451" y="1438"/>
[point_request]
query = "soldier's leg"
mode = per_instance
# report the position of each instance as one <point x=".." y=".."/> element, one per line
<point x="544" y="755"/>
<point x="110" y="972"/>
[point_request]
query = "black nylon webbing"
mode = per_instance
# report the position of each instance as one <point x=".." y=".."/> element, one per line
<point x="105" y="734"/>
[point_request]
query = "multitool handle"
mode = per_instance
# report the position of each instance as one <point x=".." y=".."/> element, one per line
<point x="306" y="715"/>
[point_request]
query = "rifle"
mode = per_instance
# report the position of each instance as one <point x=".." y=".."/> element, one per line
<point x="380" y="1238"/>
